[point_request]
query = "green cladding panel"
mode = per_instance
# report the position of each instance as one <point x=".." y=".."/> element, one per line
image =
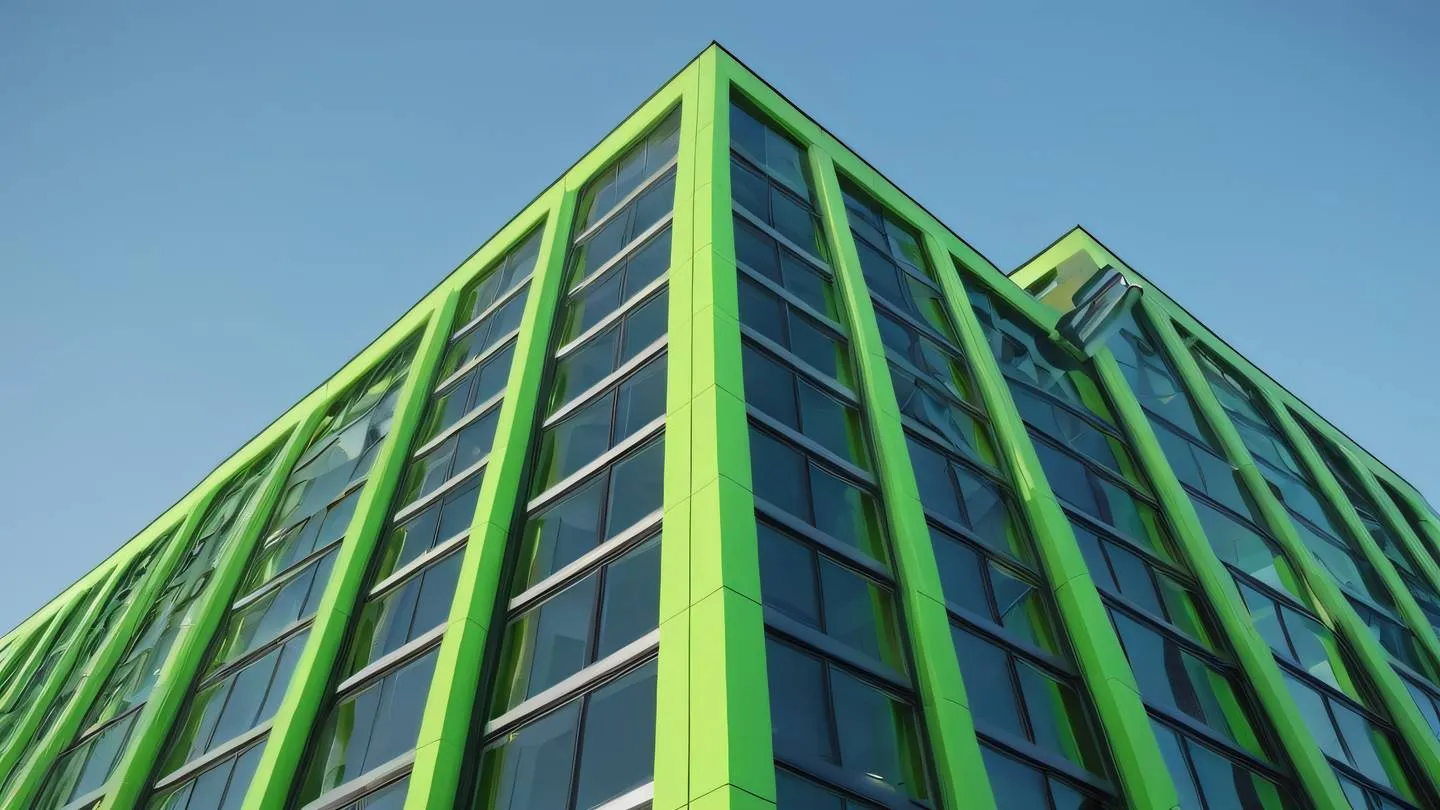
<point x="724" y="475"/>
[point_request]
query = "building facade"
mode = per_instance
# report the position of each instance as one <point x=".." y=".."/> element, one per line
<point x="724" y="475"/>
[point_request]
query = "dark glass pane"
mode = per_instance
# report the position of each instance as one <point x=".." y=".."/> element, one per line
<point x="800" y="714"/>
<point x="779" y="474"/>
<point x="632" y="598"/>
<point x="879" y="735"/>
<point x="617" y="752"/>
<point x="546" y="644"/>
<point x="518" y="772"/>
<point x="635" y="488"/>
<point x="989" y="683"/>
<point x="1015" y="784"/>
<point x="560" y="534"/>
<point x="787" y="576"/>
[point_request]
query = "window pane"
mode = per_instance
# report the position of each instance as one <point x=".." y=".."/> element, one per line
<point x="618" y="749"/>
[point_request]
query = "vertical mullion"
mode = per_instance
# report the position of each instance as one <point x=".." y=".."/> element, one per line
<point x="68" y="724"/>
<point x="1330" y="487"/>
<point x="311" y="680"/>
<point x="28" y="723"/>
<point x="147" y="739"/>
<point x="1414" y="542"/>
<point x="459" y="664"/>
<point x="1103" y="666"/>
<point x="959" y="766"/>
<point x="1372" y="658"/>
<point x="712" y="636"/>
<point x="1252" y="654"/>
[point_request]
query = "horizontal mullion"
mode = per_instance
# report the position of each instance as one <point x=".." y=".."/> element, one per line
<point x="793" y="300"/>
<point x="811" y="373"/>
<point x="815" y="450"/>
<point x="588" y="678"/>
<point x="1089" y="417"/>
<point x="500" y="344"/>
<point x="784" y="241"/>
<point x="214" y="755"/>
<point x="423" y="560"/>
<point x="286" y="576"/>
<point x="1193" y="728"/>
<point x="285" y="633"/>
<point x="391" y="661"/>
<point x="984" y="626"/>
<point x="279" y="532"/>
<point x="638" y="299"/>
<point x="448" y="485"/>
<point x="817" y="641"/>
<point x="366" y="783"/>
<point x="645" y="185"/>
<point x="585" y="564"/>
<point x="624" y="253"/>
<point x="500" y="300"/>
<point x="795" y="525"/>
<point x="607" y="383"/>
<point x="754" y="163"/>
<point x="1042" y="758"/>
<point x="471" y="416"/>
<point x="572" y="481"/>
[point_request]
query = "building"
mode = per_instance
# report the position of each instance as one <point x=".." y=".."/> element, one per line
<point x="724" y="475"/>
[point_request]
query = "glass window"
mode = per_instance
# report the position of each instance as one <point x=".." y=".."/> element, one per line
<point x="1202" y="774"/>
<point x="792" y="329"/>
<point x="1080" y="487"/>
<point x="534" y="766"/>
<point x="612" y="501"/>
<point x="583" y="623"/>
<point x="390" y="797"/>
<point x="587" y="307"/>
<point x="641" y="161"/>
<point x="883" y="232"/>
<point x="815" y="493"/>
<point x="1004" y="596"/>
<point x="1154" y="380"/>
<point x="224" y="708"/>
<point x="1175" y="677"/>
<point x="437" y="523"/>
<point x="760" y="142"/>
<point x="1017" y="696"/>
<point x="300" y="541"/>
<point x="220" y="787"/>
<point x="85" y="767"/>
<point x="1020" y="786"/>
<point x="1204" y="471"/>
<point x="936" y="410"/>
<point x="368" y="727"/>
<point x="587" y="433"/>
<point x="1075" y="433"/>
<point x="801" y="405"/>
<point x="965" y="498"/>
<point x="776" y="205"/>
<point x="1026" y="354"/>
<point x="1121" y="571"/>
<point x="404" y="612"/>
<point x="616" y="235"/>
<point x="479" y="385"/>
<point x="1348" y="736"/>
<point x="499" y="278"/>
<point x="822" y="713"/>
<point x="761" y="254"/>
<point x="461" y="452"/>
<point x="602" y="354"/>
<point x="1243" y="548"/>
<point x="261" y="621"/>
<point x="940" y="364"/>
<point x="826" y="595"/>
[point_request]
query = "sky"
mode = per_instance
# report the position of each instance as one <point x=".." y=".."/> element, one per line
<point x="206" y="210"/>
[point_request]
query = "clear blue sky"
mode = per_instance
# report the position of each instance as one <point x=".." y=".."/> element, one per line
<point x="204" y="212"/>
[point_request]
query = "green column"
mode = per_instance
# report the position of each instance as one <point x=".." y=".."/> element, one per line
<point x="147" y="740"/>
<point x="713" y="736"/>
<point x="68" y="724"/>
<point x="1335" y="494"/>
<point x="1102" y="662"/>
<point x="1392" y="517"/>
<point x="445" y="728"/>
<point x="1412" y="727"/>
<point x="948" y="719"/>
<point x="310" y="684"/>
<point x="28" y="725"/>
<point x="1251" y="652"/>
